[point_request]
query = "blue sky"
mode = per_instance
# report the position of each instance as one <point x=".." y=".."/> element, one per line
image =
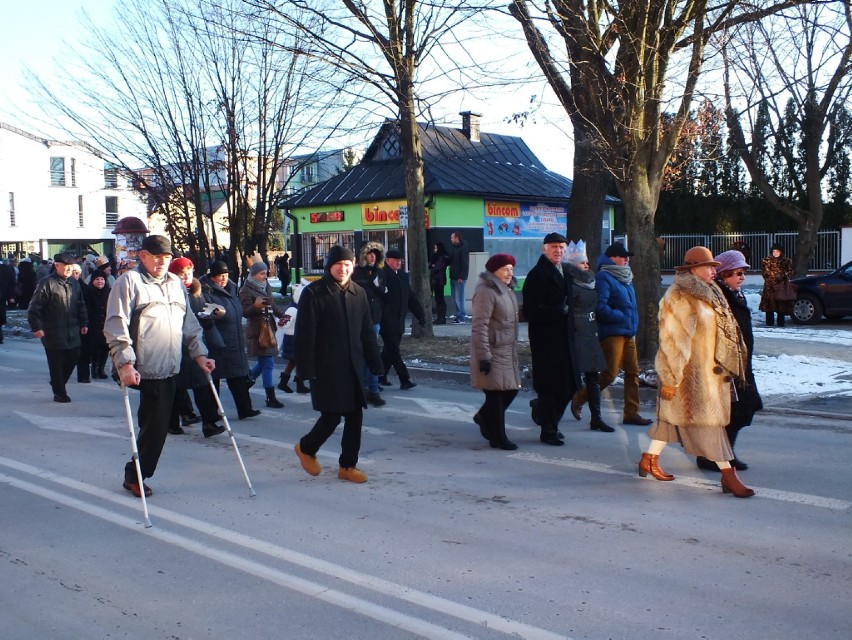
<point x="34" y="35"/>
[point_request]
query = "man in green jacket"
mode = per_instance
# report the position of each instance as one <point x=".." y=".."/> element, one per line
<point x="57" y="315"/>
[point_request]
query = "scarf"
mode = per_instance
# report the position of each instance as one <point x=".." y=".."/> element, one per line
<point x="256" y="285"/>
<point x="730" y="351"/>
<point x="622" y="274"/>
<point x="584" y="279"/>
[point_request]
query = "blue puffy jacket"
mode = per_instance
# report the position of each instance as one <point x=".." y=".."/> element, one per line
<point x="616" y="312"/>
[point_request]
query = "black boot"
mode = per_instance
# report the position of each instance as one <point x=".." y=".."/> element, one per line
<point x="770" y="318"/>
<point x="550" y="436"/>
<point x="271" y="400"/>
<point x="282" y="384"/>
<point x="300" y="386"/>
<point x="83" y="374"/>
<point x="780" y="319"/>
<point x="593" y="390"/>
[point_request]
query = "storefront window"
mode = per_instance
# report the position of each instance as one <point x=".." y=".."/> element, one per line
<point x="316" y="245"/>
<point x="389" y="239"/>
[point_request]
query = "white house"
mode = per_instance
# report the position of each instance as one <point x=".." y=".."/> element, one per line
<point x="59" y="196"/>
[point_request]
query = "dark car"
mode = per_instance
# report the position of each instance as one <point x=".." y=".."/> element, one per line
<point x="828" y="295"/>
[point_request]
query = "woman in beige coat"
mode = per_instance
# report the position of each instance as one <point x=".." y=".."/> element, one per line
<point x="494" y="348"/>
<point x="701" y="352"/>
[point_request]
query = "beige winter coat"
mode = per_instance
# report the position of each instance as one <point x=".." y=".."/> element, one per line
<point x="494" y="335"/>
<point x="691" y="314"/>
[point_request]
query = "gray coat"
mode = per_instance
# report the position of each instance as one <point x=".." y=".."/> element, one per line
<point x="57" y="307"/>
<point x="494" y="335"/>
<point x="226" y="340"/>
<point x="590" y="356"/>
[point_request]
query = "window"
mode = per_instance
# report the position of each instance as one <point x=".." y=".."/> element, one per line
<point x="308" y="173"/>
<point x="11" y="208"/>
<point x="73" y="172"/>
<point x="80" y="211"/>
<point x="111" y="210"/>
<point x="110" y="177"/>
<point x="57" y="172"/>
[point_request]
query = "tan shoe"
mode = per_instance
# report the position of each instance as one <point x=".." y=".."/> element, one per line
<point x="352" y="474"/>
<point x="309" y="463"/>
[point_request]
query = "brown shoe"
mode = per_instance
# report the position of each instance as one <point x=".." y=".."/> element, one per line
<point x="309" y="463"/>
<point x="732" y="484"/>
<point x="352" y="474"/>
<point x="133" y="487"/>
<point x="637" y="420"/>
<point x="648" y="464"/>
<point x="577" y="406"/>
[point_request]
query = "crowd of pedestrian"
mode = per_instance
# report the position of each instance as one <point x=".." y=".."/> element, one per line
<point x="169" y="333"/>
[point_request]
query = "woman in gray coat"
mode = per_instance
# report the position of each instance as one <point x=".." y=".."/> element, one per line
<point x="590" y="356"/>
<point x="494" y="348"/>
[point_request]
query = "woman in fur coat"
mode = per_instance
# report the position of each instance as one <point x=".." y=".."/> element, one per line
<point x="701" y="352"/>
<point x="494" y="348"/>
<point x="776" y="270"/>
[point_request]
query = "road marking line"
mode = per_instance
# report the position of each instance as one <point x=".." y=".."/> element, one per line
<point x="698" y="483"/>
<point x="378" y="585"/>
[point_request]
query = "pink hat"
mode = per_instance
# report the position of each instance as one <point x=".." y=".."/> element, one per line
<point x="730" y="260"/>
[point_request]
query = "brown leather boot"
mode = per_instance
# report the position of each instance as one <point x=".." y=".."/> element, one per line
<point x="648" y="464"/>
<point x="577" y="403"/>
<point x="731" y="484"/>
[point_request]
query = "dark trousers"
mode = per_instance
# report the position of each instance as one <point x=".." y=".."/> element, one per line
<point x="493" y="413"/>
<point x="239" y="388"/>
<point x="551" y="406"/>
<point x="84" y="361"/>
<point x="351" y="442"/>
<point x="61" y="363"/>
<point x="770" y="318"/>
<point x="391" y="357"/>
<point x="156" y="398"/>
<point x="440" y="302"/>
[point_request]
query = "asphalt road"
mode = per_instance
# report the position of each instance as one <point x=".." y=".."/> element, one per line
<point x="448" y="539"/>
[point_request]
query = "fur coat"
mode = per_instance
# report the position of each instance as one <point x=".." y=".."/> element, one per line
<point x="701" y="351"/>
<point x="494" y="335"/>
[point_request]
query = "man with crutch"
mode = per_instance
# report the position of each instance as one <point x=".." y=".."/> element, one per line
<point x="148" y="319"/>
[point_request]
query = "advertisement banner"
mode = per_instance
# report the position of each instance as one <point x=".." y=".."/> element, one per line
<point x="523" y="219"/>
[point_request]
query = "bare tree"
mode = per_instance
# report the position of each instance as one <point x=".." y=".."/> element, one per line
<point x="173" y="93"/>
<point x="795" y="71"/>
<point x="377" y="50"/>
<point x="624" y="67"/>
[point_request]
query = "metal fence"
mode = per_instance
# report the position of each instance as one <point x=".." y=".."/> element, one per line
<point x="755" y="246"/>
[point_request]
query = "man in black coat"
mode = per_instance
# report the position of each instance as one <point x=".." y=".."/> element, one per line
<point x="335" y="337"/>
<point x="547" y="307"/>
<point x="7" y="292"/>
<point x="57" y="315"/>
<point x="396" y="304"/>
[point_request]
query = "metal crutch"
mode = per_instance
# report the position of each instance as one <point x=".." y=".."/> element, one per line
<point x="222" y="415"/>
<point x="135" y="451"/>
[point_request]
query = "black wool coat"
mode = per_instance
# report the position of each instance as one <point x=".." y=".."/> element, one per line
<point x="191" y="376"/>
<point x="334" y="330"/>
<point x="548" y="308"/>
<point x="57" y="308"/>
<point x="590" y="356"/>
<point x="748" y="400"/>
<point x="397" y="302"/>
<point x="96" y="302"/>
<point x="225" y="339"/>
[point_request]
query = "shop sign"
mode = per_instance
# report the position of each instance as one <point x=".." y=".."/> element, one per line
<point x="523" y="219"/>
<point x="391" y="213"/>
<point x="326" y="216"/>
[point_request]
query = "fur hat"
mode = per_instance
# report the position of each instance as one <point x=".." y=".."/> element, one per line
<point x="179" y="264"/>
<point x="336" y="254"/>
<point x="157" y="245"/>
<point x="777" y="247"/>
<point x="697" y="257"/>
<point x="375" y="248"/>
<point x="730" y="260"/>
<point x="258" y="267"/>
<point x="498" y="261"/>
<point x="577" y="253"/>
<point x="218" y="268"/>
<point x="99" y="273"/>
<point x="554" y="237"/>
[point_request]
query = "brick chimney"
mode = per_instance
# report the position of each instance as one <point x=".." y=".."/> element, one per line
<point x="470" y="125"/>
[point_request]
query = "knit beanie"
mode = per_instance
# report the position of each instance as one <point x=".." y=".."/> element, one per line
<point x="336" y="254"/>
<point x="257" y="267"/>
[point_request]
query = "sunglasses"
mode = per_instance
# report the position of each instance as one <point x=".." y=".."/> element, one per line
<point x="736" y="273"/>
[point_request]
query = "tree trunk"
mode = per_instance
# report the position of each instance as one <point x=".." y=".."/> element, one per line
<point x="640" y="204"/>
<point x="591" y="179"/>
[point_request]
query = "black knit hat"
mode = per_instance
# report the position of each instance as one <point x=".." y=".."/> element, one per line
<point x="218" y="268"/>
<point x="336" y="254"/>
<point x="98" y="273"/>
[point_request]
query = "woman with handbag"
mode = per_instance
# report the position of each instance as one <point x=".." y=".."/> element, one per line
<point x="261" y="311"/>
<point x="775" y="297"/>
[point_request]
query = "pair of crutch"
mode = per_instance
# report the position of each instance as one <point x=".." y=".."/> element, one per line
<point x="135" y="449"/>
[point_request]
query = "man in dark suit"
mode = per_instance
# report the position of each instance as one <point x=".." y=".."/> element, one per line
<point x="547" y="307"/>
<point x="396" y="304"/>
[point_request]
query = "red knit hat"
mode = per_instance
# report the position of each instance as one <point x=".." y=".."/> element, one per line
<point x="179" y="264"/>
<point x="499" y="260"/>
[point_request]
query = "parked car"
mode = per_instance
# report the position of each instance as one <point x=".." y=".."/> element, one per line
<point x="828" y="295"/>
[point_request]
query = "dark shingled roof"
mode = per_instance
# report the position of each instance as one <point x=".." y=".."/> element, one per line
<point x="497" y="166"/>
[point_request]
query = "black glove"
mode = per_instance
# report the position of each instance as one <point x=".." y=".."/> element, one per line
<point x="565" y="309"/>
<point x="485" y="366"/>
